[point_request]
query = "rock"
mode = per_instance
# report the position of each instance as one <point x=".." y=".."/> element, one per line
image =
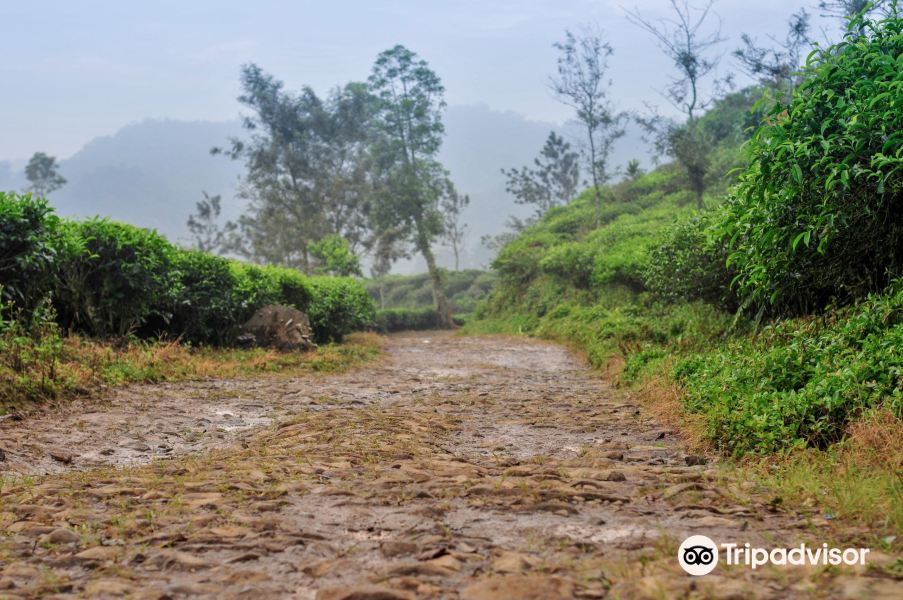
<point x="6" y="583"/>
<point x="513" y="562"/>
<point x="530" y="587"/>
<point x="174" y="559"/>
<point x="282" y="327"/>
<point x="98" y="554"/>
<point x="393" y="548"/>
<point x="62" y="536"/>
<point x="136" y="445"/>
<point x="363" y="592"/>
<point x="104" y="588"/>
<point x="615" y="476"/>
<point x="61" y="456"/>
<point x="693" y="460"/>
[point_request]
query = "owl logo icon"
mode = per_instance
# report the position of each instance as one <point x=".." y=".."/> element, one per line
<point x="698" y="555"/>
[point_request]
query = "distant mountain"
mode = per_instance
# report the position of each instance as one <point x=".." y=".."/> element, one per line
<point x="152" y="173"/>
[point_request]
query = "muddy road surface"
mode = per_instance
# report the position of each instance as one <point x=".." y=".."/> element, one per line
<point x="479" y="468"/>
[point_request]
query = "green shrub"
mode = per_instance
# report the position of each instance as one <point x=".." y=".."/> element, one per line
<point x="339" y="305"/>
<point x="113" y="277"/>
<point x="800" y="382"/>
<point x="27" y="250"/>
<point x="206" y="308"/>
<point x="690" y="263"/>
<point x="389" y="320"/>
<point x="464" y="289"/>
<point x="818" y="215"/>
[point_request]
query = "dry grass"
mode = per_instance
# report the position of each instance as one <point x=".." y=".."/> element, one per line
<point x="77" y="366"/>
<point x="859" y="480"/>
<point x="662" y="398"/>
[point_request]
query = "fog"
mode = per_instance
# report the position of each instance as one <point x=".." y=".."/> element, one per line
<point x="76" y="72"/>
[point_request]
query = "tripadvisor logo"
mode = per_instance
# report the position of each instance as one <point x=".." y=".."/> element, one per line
<point x="698" y="555"/>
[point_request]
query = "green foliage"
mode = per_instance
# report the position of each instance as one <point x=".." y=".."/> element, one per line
<point x="339" y="305"/>
<point x="800" y="382"/>
<point x="27" y="231"/>
<point x="817" y="215"/>
<point x="110" y="279"/>
<point x="113" y="277"/>
<point x="30" y="347"/>
<point x="42" y="173"/>
<point x="464" y="289"/>
<point x="406" y="319"/>
<point x="333" y="256"/>
<point x="690" y="263"/>
<point x="207" y="306"/>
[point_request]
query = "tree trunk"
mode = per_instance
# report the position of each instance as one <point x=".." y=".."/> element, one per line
<point x="443" y="308"/>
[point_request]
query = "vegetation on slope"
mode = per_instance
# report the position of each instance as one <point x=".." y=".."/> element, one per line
<point x="67" y="286"/>
<point x="405" y="302"/>
<point x="776" y="313"/>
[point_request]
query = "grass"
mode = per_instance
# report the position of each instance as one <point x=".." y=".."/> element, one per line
<point x="859" y="479"/>
<point x="50" y="367"/>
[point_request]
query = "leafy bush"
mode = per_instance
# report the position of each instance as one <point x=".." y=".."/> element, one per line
<point x="801" y="382"/>
<point x="27" y="230"/>
<point x="113" y="277"/>
<point x="389" y="320"/>
<point x="333" y="256"/>
<point x="464" y="290"/>
<point x="818" y="215"/>
<point x="339" y="305"/>
<point x="690" y="263"/>
<point x="206" y="307"/>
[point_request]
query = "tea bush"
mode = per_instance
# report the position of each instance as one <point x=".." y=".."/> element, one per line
<point x="339" y="305"/>
<point x="113" y="277"/>
<point x="689" y="262"/>
<point x="109" y="279"/>
<point x="818" y="215"/>
<point x="800" y="382"/>
<point x="207" y="306"/>
<point x="389" y="320"/>
<point x="27" y="251"/>
<point x="464" y="289"/>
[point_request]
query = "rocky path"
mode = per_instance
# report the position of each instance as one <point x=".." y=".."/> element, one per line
<point x="472" y="468"/>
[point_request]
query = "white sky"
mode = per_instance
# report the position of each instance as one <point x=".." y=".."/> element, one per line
<point x="70" y="71"/>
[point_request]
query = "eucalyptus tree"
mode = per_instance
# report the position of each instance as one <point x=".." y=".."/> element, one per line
<point x="688" y="41"/>
<point x="582" y="83"/>
<point x="307" y="169"/>
<point x="453" y="204"/>
<point x="551" y="181"/>
<point x="43" y="175"/>
<point x="410" y="179"/>
<point x="777" y="67"/>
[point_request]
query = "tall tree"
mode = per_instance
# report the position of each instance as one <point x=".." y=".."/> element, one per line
<point x="552" y="180"/>
<point x="582" y="83"/>
<point x="204" y="227"/>
<point x="43" y="175"/>
<point x="777" y="67"/>
<point x="454" y="231"/>
<point x="306" y="169"/>
<point x="685" y="39"/>
<point x="411" y="179"/>
<point x="848" y="9"/>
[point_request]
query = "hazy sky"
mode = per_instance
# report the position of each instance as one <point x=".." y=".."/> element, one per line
<point x="70" y="71"/>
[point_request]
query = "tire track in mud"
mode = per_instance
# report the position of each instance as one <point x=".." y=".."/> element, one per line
<point x="458" y="467"/>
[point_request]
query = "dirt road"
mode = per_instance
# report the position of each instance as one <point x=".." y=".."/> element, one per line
<point x="473" y="468"/>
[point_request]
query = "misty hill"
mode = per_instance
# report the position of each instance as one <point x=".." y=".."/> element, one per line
<point x="152" y="173"/>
